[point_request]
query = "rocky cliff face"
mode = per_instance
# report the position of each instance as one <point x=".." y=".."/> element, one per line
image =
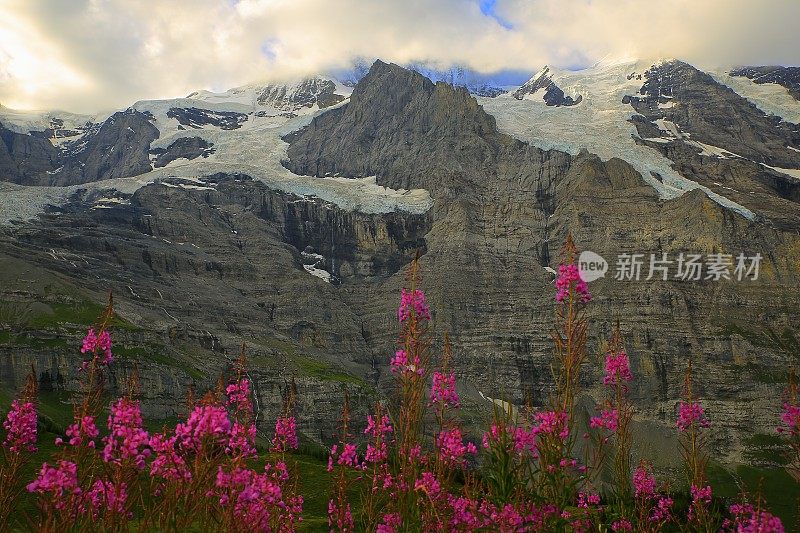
<point x="722" y="140"/>
<point x="116" y="149"/>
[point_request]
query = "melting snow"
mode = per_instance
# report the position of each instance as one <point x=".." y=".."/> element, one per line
<point x="599" y="125"/>
<point x="313" y="269"/>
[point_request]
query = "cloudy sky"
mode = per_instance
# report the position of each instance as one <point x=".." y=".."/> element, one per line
<point x="91" y="55"/>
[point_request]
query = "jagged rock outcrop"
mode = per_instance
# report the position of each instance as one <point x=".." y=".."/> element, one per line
<point x="117" y="149"/>
<point x="553" y="94"/>
<point x="182" y="148"/>
<point x="307" y="93"/>
<point x="719" y="139"/>
<point x="194" y="117"/>
<point x="788" y="77"/>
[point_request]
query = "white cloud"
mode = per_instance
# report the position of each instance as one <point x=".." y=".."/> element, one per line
<point x="84" y="55"/>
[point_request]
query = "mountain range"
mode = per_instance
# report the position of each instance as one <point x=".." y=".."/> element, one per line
<point x="282" y="215"/>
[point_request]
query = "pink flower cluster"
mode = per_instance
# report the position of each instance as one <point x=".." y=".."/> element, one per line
<point x="93" y="344"/>
<point x="377" y="448"/>
<point x="690" y="414"/>
<point x="701" y="497"/>
<point x="107" y="497"/>
<point x="168" y="463"/>
<point x="644" y="483"/>
<point x="444" y="390"/>
<point x="20" y="423"/>
<point x="205" y="422"/>
<point x="401" y="364"/>
<point x="428" y="484"/>
<point x="567" y="276"/>
<point x="347" y="457"/>
<point x="60" y="481"/>
<point x="340" y="519"/>
<point x="608" y="419"/>
<point x="552" y="423"/>
<point x="83" y="428"/>
<point x="238" y="394"/>
<point x="790" y="419"/>
<point x="390" y="523"/>
<point x="285" y="435"/>
<point x="747" y="519"/>
<point x="413" y="301"/>
<point x="257" y="498"/>
<point x="622" y="525"/>
<point x="126" y="438"/>
<point x="451" y="447"/>
<point x="618" y="369"/>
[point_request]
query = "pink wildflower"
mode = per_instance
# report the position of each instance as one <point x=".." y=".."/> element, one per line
<point x="617" y="368"/>
<point x="552" y="423"/>
<point x="791" y="419"/>
<point x="389" y="524"/>
<point x="168" y="463"/>
<point x="622" y="525"/>
<point x="83" y="428"/>
<point x="567" y="276"/>
<point x="428" y="484"/>
<point x="340" y="519"/>
<point x="239" y="396"/>
<point x="126" y="438"/>
<point x="285" y="434"/>
<point x="401" y="364"/>
<point x="644" y="483"/>
<point x="747" y="519"/>
<point x="451" y="447"/>
<point x="60" y="481"/>
<point x="609" y="419"/>
<point x="92" y="343"/>
<point x="204" y="422"/>
<point x="413" y="301"/>
<point x="689" y="414"/>
<point x="20" y="423"/>
<point x="444" y="390"/>
<point x="104" y="496"/>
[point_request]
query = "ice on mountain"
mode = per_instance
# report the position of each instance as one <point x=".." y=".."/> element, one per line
<point x="600" y="124"/>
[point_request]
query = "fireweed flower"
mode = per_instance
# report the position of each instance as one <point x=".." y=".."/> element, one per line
<point x="790" y="419"/>
<point x="239" y="396"/>
<point x="552" y="423"/>
<point x="451" y="447"/>
<point x="20" y="423"/>
<point x="747" y="519"/>
<point x="622" y="525"/>
<point x="285" y="434"/>
<point x="168" y="463"/>
<point x="567" y="275"/>
<point x="700" y="496"/>
<point x="389" y="523"/>
<point x="401" y="364"/>
<point x="205" y="421"/>
<point x="444" y="390"/>
<point x="644" y="483"/>
<point x="428" y="484"/>
<point x="102" y="344"/>
<point x="413" y="300"/>
<point x="689" y="414"/>
<point x="60" y="481"/>
<point x="609" y="419"/>
<point x="104" y="496"/>
<point x="126" y="439"/>
<point x="617" y="369"/>
<point x="85" y="428"/>
<point x="587" y="500"/>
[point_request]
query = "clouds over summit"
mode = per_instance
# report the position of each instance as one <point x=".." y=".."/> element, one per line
<point x="85" y="55"/>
